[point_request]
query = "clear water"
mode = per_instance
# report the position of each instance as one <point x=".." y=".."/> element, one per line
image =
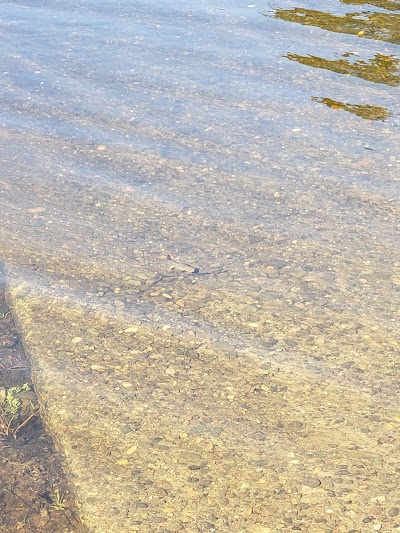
<point x="258" y="143"/>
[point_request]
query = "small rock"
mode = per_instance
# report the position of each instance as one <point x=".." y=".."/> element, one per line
<point x="223" y="346"/>
<point x="141" y="505"/>
<point x="312" y="482"/>
<point x="190" y="457"/>
<point x="303" y="506"/>
<point x="131" y="450"/>
<point x="131" y="329"/>
<point x="123" y="462"/>
<point x="254" y="239"/>
<point x="36" y="210"/>
<point x="98" y="367"/>
<point x="158" y="519"/>
<point x="343" y="472"/>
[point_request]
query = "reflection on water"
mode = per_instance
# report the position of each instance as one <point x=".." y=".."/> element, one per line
<point x="390" y="5"/>
<point x="368" y="112"/>
<point x="371" y="25"/>
<point x="380" y="69"/>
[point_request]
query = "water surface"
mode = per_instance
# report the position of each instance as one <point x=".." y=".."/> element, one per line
<point x="259" y="145"/>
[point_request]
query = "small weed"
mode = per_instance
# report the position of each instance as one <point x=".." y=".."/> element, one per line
<point x="14" y="414"/>
<point x="13" y="403"/>
<point x="58" y="502"/>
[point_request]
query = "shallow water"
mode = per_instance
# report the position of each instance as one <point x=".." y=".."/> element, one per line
<point x="258" y="144"/>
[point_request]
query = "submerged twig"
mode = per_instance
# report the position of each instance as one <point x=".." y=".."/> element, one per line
<point x="15" y="431"/>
